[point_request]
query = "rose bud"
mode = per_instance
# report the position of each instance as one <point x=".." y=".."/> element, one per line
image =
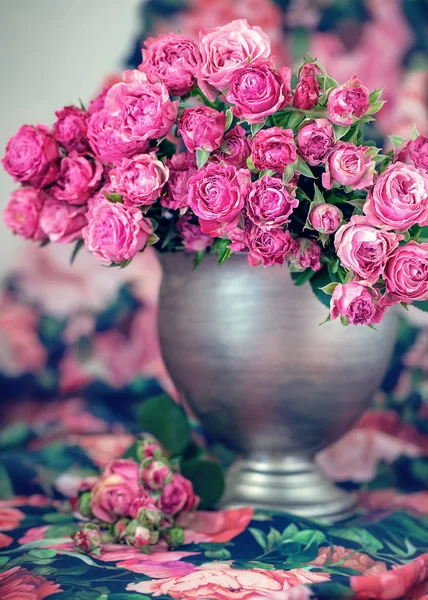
<point x="307" y="90"/>
<point x="418" y="152"/>
<point x="119" y="528"/>
<point x="201" y="128"/>
<point x="157" y="475"/>
<point x="136" y="535"/>
<point x="88" y="539"/>
<point x="149" y="516"/>
<point x="71" y="128"/>
<point x="325" y="218"/>
<point x="149" y="447"/>
<point x="307" y="255"/>
<point x="347" y="102"/>
<point x="356" y="303"/>
<point x="174" y="537"/>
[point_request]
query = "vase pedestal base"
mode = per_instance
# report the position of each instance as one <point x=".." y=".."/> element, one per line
<point x="289" y="484"/>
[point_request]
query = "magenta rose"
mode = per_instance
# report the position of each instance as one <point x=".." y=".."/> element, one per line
<point x="225" y="49"/>
<point x="113" y="494"/>
<point x="418" y="152"/>
<point x="201" y="128"/>
<point x="347" y="102"/>
<point x="270" y="203"/>
<point x="398" y="199"/>
<point x="307" y="89"/>
<point x="235" y="148"/>
<point x="174" y="59"/>
<point x="97" y="103"/>
<point x="273" y="149"/>
<point x="193" y="238"/>
<point x="178" y="496"/>
<point x="181" y="167"/>
<point x="143" y="106"/>
<point x="269" y="247"/>
<point x="139" y="180"/>
<point x="364" y="249"/>
<point x="22" y="213"/>
<point x="70" y="129"/>
<point x="32" y="156"/>
<point x="217" y="195"/>
<point x="258" y="90"/>
<point x="107" y="142"/>
<point x="238" y="237"/>
<point x="61" y="222"/>
<point x="114" y="233"/>
<point x="307" y="255"/>
<point x="406" y="273"/>
<point x="157" y="475"/>
<point x="315" y="141"/>
<point x="349" y="165"/>
<point x="357" y="303"/>
<point x="79" y="176"/>
<point x="325" y="218"/>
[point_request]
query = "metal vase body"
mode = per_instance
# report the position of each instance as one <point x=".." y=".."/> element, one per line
<point x="245" y="347"/>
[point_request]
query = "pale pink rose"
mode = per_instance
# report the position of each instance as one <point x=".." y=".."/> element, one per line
<point x="139" y="180"/>
<point x="174" y="59"/>
<point x="217" y="195"/>
<point x="225" y="49"/>
<point x="307" y="89"/>
<point x="114" y="233"/>
<point x="60" y="222"/>
<point x="348" y="558"/>
<point x="70" y="129"/>
<point x="116" y="489"/>
<point x="269" y="247"/>
<point x="143" y="105"/>
<point x="157" y="475"/>
<point x="218" y="526"/>
<point x="307" y="255"/>
<point x="107" y="142"/>
<point x="22" y="213"/>
<point x="273" y="149"/>
<point x="418" y="152"/>
<point x="10" y="518"/>
<point x="364" y="249"/>
<point x="349" y="165"/>
<point x="270" y="203"/>
<point x="325" y="218"/>
<point x="193" y="238"/>
<point x="357" y="303"/>
<point x="257" y="90"/>
<point x="235" y="148"/>
<point x="348" y="102"/>
<point x="390" y="499"/>
<point x="201" y="128"/>
<point x="181" y="167"/>
<point x="315" y="141"/>
<point x="178" y="496"/>
<point x="222" y="582"/>
<point x="398" y="199"/>
<point x="5" y="540"/>
<point x="406" y="273"/>
<point x="126" y="468"/>
<point x="17" y="583"/>
<point x="79" y="176"/>
<point x="32" y="156"/>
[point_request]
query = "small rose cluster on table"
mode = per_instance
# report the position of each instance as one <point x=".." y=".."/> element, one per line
<point x="209" y="148"/>
<point x="135" y="503"/>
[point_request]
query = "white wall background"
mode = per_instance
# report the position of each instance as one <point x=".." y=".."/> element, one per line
<point x="53" y="52"/>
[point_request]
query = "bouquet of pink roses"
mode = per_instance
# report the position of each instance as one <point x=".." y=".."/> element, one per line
<point x="208" y="147"/>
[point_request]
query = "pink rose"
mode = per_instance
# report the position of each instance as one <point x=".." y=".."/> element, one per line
<point x="113" y="494"/>
<point x="307" y="89"/>
<point x="140" y="179"/>
<point x="418" y="152"/>
<point x="315" y="141"/>
<point x="307" y="255"/>
<point x="201" y="128"/>
<point x="32" y="156"/>
<point x="269" y="247"/>
<point x="217" y="194"/>
<point x="225" y="49"/>
<point x="349" y="165"/>
<point x="174" y="59"/>
<point x="114" y="233"/>
<point x="79" y="176"/>
<point x="325" y="218"/>
<point x="398" y="199"/>
<point x="406" y="273"/>
<point x="60" y="222"/>
<point x="178" y="496"/>
<point x="273" y="149"/>
<point x="238" y="237"/>
<point x="108" y="143"/>
<point x="19" y="583"/>
<point x="70" y="129"/>
<point x="257" y="90"/>
<point x="364" y="249"/>
<point x="157" y="475"/>
<point x="193" y="238"/>
<point x="270" y="203"/>
<point x="347" y="102"/>
<point x="349" y="558"/>
<point x="235" y="148"/>
<point x="139" y="503"/>
<point x="22" y="213"/>
<point x="126" y="468"/>
<point x="181" y="167"/>
<point x="143" y="106"/>
<point x="357" y="303"/>
<point x="97" y="103"/>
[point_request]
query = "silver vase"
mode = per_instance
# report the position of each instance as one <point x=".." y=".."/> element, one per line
<point x="245" y="348"/>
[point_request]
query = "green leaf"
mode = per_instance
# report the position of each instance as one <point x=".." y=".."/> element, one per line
<point x="42" y="553"/>
<point x="396" y="140"/>
<point x="374" y="96"/>
<point x="318" y="196"/>
<point x="340" y="131"/>
<point x="255" y="127"/>
<point x="301" y="167"/>
<point x="288" y="174"/>
<point x="221" y="554"/>
<point x="259" y="536"/>
<point x="57" y="518"/>
<point x="415" y="133"/>
<point x="273" y="538"/>
<point x="207" y="478"/>
<point x="166" y="421"/>
<point x="229" y="119"/>
<point x="303" y="277"/>
<point x="79" y="244"/>
<point x="329" y="288"/>
<point x="360" y="536"/>
<point x="292" y="120"/>
<point x="358" y="203"/>
<point x="375" y="107"/>
<point x="6" y="488"/>
<point x="422" y="305"/>
<point x="4" y="560"/>
<point x="13" y="435"/>
<point x="320" y="280"/>
<point x="289" y="532"/>
<point x="198" y="258"/>
<point x="332" y="591"/>
<point x="201" y="157"/>
<point x="251" y="166"/>
<point x="307" y="537"/>
<point x="113" y="197"/>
